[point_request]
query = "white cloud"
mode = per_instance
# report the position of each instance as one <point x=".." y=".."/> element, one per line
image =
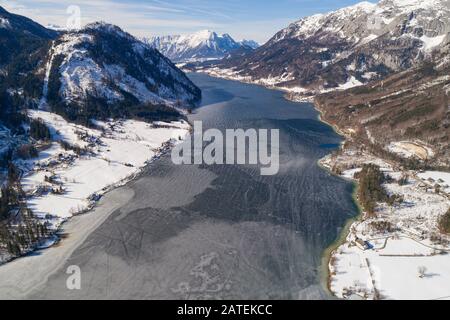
<point x="146" y="18"/>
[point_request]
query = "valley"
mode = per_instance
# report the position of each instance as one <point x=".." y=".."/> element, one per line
<point x="359" y="95"/>
<point x="78" y="118"/>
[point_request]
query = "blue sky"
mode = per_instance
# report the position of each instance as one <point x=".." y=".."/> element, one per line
<point x="243" y="19"/>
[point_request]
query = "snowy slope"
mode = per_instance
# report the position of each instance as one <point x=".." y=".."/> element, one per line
<point x="104" y="62"/>
<point x="118" y="152"/>
<point x="4" y="23"/>
<point x="203" y="45"/>
<point x="427" y="21"/>
<point x="404" y="237"/>
<point x="83" y="77"/>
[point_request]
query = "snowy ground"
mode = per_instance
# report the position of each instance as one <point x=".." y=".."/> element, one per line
<point x="411" y="242"/>
<point x="61" y="183"/>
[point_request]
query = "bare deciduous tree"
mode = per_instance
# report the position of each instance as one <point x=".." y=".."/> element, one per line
<point x="422" y="271"/>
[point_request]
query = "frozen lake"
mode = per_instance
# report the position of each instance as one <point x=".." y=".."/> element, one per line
<point x="219" y="232"/>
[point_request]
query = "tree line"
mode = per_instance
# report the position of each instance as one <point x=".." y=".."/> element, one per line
<point x="370" y="190"/>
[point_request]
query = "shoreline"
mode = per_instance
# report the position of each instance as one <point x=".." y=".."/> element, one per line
<point x="113" y="165"/>
<point x="360" y="228"/>
<point x="407" y="229"/>
<point x="325" y="272"/>
<point x="19" y="282"/>
<point x="286" y="91"/>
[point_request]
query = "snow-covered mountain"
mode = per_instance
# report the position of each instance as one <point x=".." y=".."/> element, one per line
<point x="203" y="45"/>
<point x="348" y="47"/>
<point x="103" y="63"/>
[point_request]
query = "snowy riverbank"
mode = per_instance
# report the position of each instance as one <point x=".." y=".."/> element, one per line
<point x="81" y="164"/>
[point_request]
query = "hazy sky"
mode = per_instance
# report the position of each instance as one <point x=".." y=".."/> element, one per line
<point x="243" y="19"/>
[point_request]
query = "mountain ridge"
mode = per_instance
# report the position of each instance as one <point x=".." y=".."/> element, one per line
<point x="202" y="45"/>
<point x="98" y="71"/>
<point x="102" y="64"/>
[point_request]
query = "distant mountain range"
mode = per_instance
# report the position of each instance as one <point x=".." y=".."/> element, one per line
<point x="95" y="101"/>
<point x="200" y="46"/>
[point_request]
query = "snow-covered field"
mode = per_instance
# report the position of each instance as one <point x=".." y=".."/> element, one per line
<point x="62" y="183"/>
<point x="406" y="256"/>
<point x="392" y="274"/>
<point x="408" y="149"/>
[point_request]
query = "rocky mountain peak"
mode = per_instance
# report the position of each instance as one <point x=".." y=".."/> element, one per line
<point x="348" y="47"/>
<point x="22" y="26"/>
<point x="201" y="45"/>
<point x="2" y="10"/>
